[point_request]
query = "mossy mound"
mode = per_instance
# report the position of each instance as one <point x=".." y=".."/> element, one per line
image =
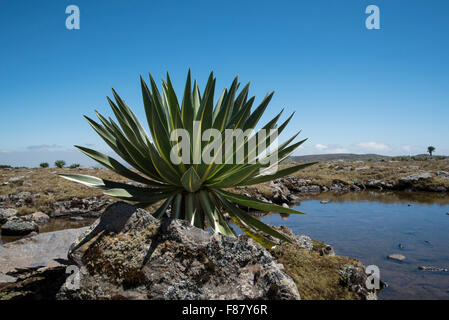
<point x="319" y="276"/>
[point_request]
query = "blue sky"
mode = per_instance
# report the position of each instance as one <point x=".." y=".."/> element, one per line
<point x="354" y="90"/>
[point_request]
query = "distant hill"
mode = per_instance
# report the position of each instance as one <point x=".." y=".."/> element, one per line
<point x="360" y="157"/>
<point x="338" y="156"/>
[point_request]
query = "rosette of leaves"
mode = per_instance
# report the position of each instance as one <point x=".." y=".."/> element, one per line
<point x="199" y="192"/>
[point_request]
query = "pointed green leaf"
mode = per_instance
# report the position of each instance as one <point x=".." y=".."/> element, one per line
<point x="254" y="203"/>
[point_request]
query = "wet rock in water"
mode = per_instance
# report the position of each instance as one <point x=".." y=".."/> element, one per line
<point x="401" y="246"/>
<point x="18" y="227"/>
<point x="324" y="201"/>
<point x="396" y="256"/>
<point x="6" y="213"/>
<point x="75" y="218"/>
<point x="434" y="269"/>
<point x="37" y="217"/>
<point x="415" y="177"/>
<point x="127" y="253"/>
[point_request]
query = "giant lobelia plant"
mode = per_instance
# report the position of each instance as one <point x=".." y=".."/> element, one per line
<point x="195" y="191"/>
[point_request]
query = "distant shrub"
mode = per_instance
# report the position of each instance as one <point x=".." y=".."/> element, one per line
<point x="60" y="163"/>
<point x="75" y="165"/>
<point x="44" y="165"/>
<point x="4" y="166"/>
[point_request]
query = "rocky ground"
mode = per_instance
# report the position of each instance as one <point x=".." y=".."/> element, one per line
<point x="30" y="197"/>
<point x="128" y="254"/>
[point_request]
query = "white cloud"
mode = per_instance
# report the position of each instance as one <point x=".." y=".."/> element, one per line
<point x="338" y="150"/>
<point x="376" y="146"/>
<point x="320" y="146"/>
<point x="44" y="147"/>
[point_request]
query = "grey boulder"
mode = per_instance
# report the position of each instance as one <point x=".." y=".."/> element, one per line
<point x="7" y="213"/>
<point x="37" y="217"/>
<point x="128" y="254"/>
<point x="415" y="177"/>
<point x="46" y="250"/>
<point x="18" y="227"/>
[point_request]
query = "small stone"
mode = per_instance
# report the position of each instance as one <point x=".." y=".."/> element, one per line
<point x="5" y="214"/>
<point x="327" y="251"/>
<point x="396" y="256"/>
<point x="324" y="201"/>
<point x="76" y="218"/>
<point x="435" y="269"/>
<point x="285" y="205"/>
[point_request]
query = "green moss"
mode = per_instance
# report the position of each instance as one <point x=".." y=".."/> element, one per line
<point x="119" y="258"/>
<point x="317" y="277"/>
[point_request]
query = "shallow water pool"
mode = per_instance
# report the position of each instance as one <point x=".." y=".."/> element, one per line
<point x="371" y="225"/>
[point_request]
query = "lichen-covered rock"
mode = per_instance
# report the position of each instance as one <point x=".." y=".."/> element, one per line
<point x="37" y="217"/>
<point x="89" y="207"/>
<point x="6" y="213"/>
<point x="129" y="254"/>
<point x="415" y="177"/>
<point x="303" y="241"/>
<point x="354" y="278"/>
